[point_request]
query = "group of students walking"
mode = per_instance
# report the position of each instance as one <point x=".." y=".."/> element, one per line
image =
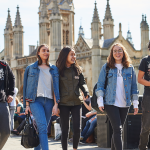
<point x="56" y="89"/>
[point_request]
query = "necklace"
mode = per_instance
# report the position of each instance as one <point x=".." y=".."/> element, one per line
<point x="43" y="63"/>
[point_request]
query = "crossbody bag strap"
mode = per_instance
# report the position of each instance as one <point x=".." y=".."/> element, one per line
<point x="106" y="79"/>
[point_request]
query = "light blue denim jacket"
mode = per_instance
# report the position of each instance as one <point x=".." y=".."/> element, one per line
<point x="109" y="94"/>
<point x="30" y="82"/>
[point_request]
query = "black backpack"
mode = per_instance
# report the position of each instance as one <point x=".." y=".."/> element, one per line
<point x="94" y="97"/>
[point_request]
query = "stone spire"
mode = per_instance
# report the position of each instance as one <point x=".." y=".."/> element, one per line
<point x="44" y="9"/>
<point x="129" y="37"/>
<point x="95" y="15"/>
<point x="144" y="24"/>
<point x="18" y="19"/>
<point x="55" y="8"/>
<point x="8" y="23"/>
<point x="108" y="11"/>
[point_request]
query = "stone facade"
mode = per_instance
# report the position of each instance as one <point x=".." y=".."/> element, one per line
<point x="56" y="28"/>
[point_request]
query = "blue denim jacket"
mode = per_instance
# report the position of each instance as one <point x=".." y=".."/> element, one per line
<point x="109" y="94"/>
<point x="30" y="82"/>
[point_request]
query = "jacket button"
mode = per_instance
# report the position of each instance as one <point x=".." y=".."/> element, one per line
<point x="124" y="79"/>
<point x="127" y="98"/>
<point x="126" y="92"/>
<point x="125" y="85"/>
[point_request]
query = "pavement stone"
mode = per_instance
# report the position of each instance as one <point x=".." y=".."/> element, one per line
<point x="14" y="143"/>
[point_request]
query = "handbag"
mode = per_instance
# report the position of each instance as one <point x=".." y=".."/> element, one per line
<point x="29" y="137"/>
<point x="94" y="97"/>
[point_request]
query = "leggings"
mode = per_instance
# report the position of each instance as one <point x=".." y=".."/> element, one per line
<point x="117" y="117"/>
<point x="64" y="118"/>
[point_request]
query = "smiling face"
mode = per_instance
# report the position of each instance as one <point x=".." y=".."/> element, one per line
<point x="71" y="58"/>
<point x="118" y="54"/>
<point x="44" y="53"/>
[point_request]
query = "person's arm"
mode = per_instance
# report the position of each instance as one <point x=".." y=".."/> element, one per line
<point x="18" y="110"/>
<point x="87" y="106"/>
<point x="90" y="114"/>
<point x="83" y="85"/>
<point x="141" y="79"/>
<point x="11" y="83"/>
<point x="55" y="107"/>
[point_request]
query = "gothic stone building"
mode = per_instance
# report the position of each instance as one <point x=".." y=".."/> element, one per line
<point x="56" y="28"/>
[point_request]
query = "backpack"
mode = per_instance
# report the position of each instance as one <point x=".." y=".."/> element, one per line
<point x="94" y="97"/>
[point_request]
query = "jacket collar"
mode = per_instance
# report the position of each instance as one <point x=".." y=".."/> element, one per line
<point x="35" y="65"/>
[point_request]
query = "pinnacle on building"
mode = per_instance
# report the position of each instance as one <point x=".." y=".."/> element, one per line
<point x="8" y="39"/>
<point x="108" y="23"/>
<point x="18" y="45"/>
<point x="144" y="35"/>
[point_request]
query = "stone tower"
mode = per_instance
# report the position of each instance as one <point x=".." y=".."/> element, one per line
<point x="18" y="45"/>
<point x="66" y="10"/>
<point x="129" y="37"/>
<point x="108" y="23"/>
<point x="144" y="35"/>
<point x="56" y="34"/>
<point x="96" y="18"/>
<point x="8" y="39"/>
<point x="44" y="25"/>
<point x="96" y="58"/>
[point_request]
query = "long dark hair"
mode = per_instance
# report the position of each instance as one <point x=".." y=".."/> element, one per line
<point x="61" y="61"/>
<point x="149" y="45"/>
<point x="39" y="58"/>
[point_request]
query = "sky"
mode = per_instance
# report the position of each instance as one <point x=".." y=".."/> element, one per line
<point x="127" y="12"/>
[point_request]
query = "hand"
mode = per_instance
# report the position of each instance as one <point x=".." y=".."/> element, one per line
<point x="87" y="97"/>
<point x="27" y="109"/>
<point x="9" y="99"/>
<point x="135" y="111"/>
<point x="55" y="109"/>
<point x="101" y="109"/>
<point x="92" y="119"/>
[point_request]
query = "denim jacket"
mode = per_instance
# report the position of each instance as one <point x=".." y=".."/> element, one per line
<point x="30" y="82"/>
<point x="109" y="94"/>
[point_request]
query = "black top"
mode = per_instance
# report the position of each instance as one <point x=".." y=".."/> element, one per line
<point x="7" y="81"/>
<point x="84" y="109"/>
<point x="145" y="67"/>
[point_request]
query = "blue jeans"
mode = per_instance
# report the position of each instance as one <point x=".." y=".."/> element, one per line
<point x="88" y="129"/>
<point x="42" y="111"/>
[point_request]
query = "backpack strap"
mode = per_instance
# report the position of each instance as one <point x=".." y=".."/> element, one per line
<point x="106" y="79"/>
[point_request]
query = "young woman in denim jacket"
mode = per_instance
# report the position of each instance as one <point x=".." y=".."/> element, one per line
<point x="71" y="80"/>
<point x="41" y="92"/>
<point x="121" y="90"/>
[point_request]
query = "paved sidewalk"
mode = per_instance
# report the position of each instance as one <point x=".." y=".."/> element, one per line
<point x="14" y="143"/>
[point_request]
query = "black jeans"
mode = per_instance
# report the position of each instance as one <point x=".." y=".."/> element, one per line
<point x="4" y="123"/>
<point x="64" y="118"/>
<point x="145" y="123"/>
<point x="117" y="117"/>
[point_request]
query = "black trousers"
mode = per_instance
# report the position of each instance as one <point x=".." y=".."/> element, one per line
<point x="117" y="117"/>
<point x="4" y="123"/>
<point x="145" y="125"/>
<point x="64" y="118"/>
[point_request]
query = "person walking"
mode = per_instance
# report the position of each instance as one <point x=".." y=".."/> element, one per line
<point x="120" y="92"/>
<point x="7" y="84"/>
<point x="12" y="108"/>
<point x="41" y="92"/>
<point x="71" y="81"/>
<point x="144" y="78"/>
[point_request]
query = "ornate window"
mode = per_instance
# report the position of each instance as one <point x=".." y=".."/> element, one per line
<point x="67" y="37"/>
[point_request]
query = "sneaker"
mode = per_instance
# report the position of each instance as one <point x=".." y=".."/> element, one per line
<point x="70" y="140"/>
<point x="82" y="142"/>
<point x="81" y="138"/>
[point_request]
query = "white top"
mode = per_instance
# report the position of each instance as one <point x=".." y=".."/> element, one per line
<point x="45" y="84"/>
<point x="13" y="103"/>
<point x="120" y="100"/>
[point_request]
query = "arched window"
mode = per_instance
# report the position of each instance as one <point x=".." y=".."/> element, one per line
<point x="67" y="37"/>
<point x="64" y="37"/>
